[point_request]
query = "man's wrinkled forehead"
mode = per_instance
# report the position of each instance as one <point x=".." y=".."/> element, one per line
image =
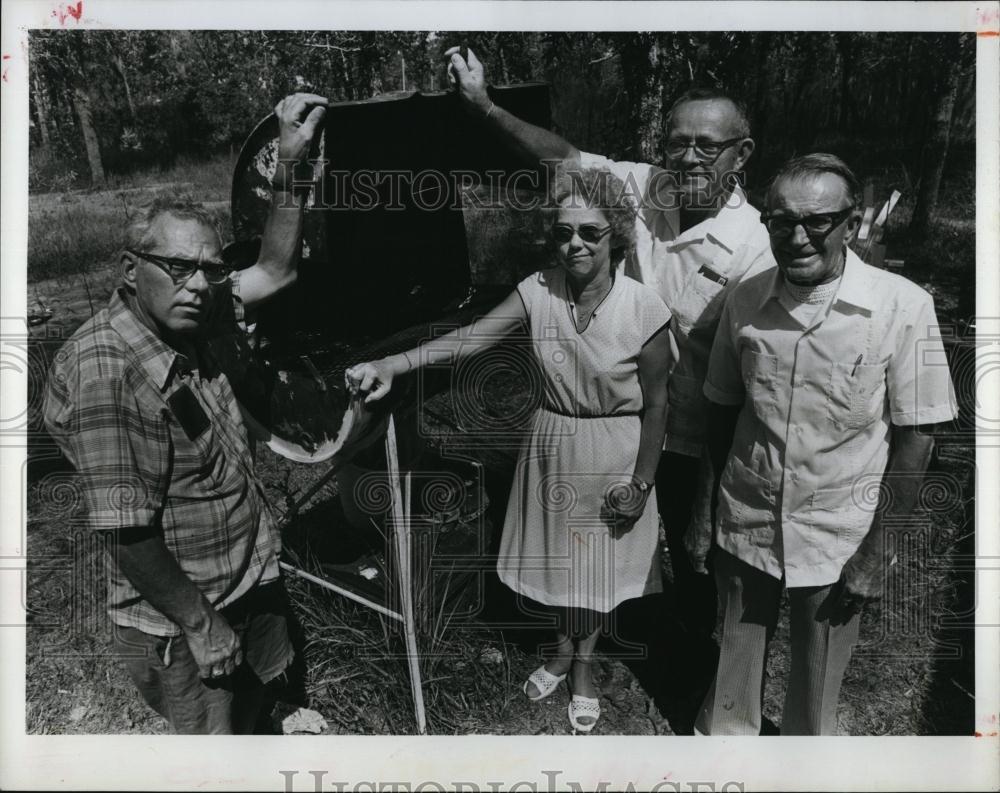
<point x="822" y="190"/>
<point x="191" y="236"/>
<point x="718" y="116"/>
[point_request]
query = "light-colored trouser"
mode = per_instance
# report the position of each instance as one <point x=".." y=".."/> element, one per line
<point x="820" y="653"/>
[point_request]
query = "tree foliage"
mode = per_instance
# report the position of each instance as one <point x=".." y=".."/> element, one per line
<point x="156" y="95"/>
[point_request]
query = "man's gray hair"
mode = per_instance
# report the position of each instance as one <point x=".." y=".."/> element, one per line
<point x="813" y="165"/>
<point x="741" y="122"/>
<point x="140" y="234"/>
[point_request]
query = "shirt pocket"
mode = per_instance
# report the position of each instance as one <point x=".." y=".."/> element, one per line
<point x="857" y="394"/>
<point x="746" y="506"/>
<point x="201" y="466"/>
<point x="838" y="518"/>
<point x="760" y="379"/>
<point x="701" y="302"/>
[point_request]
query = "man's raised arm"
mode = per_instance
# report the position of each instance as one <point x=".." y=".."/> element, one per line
<point x="532" y="144"/>
<point x="299" y="116"/>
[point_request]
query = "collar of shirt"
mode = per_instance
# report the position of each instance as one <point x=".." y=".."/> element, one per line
<point x="855" y="288"/>
<point x="157" y="357"/>
<point x="728" y="228"/>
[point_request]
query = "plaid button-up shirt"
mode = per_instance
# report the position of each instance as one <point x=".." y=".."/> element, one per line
<point x="694" y="271"/>
<point x="159" y="441"/>
<point x="799" y="491"/>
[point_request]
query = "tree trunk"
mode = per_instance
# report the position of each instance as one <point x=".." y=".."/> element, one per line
<point x="934" y="153"/>
<point x="758" y="113"/>
<point x="178" y="39"/>
<point x="653" y="130"/>
<point x="41" y="109"/>
<point x="81" y="103"/>
<point x="369" y="81"/>
<point x="120" y="68"/>
<point x="846" y="101"/>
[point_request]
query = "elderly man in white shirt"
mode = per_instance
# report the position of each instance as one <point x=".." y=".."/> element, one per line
<point x="821" y="383"/>
<point x="696" y="238"/>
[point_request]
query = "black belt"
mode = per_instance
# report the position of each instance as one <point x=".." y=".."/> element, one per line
<point x="558" y="412"/>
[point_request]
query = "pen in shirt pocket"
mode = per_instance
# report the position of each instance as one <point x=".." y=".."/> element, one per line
<point x="857" y="363"/>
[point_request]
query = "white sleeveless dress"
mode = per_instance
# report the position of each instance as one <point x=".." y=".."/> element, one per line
<point x="557" y="547"/>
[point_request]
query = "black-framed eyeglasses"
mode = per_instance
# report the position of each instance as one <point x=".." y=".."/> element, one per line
<point x="180" y="270"/>
<point x="561" y="233"/>
<point x="707" y="151"/>
<point x="818" y="225"/>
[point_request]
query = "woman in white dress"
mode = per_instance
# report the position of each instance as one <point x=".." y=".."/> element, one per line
<point x="581" y="529"/>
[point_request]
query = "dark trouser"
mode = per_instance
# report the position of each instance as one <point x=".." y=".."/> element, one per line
<point x="226" y="706"/>
<point x="695" y="599"/>
<point x="820" y="653"/>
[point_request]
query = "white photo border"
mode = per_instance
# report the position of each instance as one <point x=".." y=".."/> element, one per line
<point x="487" y="762"/>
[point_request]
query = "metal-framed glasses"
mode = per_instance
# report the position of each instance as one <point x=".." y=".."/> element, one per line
<point x="707" y="151"/>
<point x="180" y="270"/>
<point x="591" y="234"/>
<point x="818" y="225"/>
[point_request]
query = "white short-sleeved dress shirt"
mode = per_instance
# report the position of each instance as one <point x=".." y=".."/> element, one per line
<point x="800" y="488"/>
<point x="694" y="272"/>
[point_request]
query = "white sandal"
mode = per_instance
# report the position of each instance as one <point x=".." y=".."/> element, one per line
<point x="544" y="681"/>
<point x="583" y="706"/>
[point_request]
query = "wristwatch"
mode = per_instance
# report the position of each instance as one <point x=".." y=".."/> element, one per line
<point x="642" y="487"/>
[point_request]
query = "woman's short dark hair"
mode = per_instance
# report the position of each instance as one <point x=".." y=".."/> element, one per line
<point x="598" y="188"/>
<point x="812" y="165"/>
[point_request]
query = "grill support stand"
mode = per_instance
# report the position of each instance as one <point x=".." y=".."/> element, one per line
<point x="401" y="525"/>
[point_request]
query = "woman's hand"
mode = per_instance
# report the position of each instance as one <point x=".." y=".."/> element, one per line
<point x="373" y="377"/>
<point x="624" y="504"/>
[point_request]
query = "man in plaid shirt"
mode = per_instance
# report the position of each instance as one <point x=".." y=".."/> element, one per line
<point x="141" y="408"/>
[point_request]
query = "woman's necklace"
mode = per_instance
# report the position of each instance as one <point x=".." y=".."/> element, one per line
<point x="583" y="313"/>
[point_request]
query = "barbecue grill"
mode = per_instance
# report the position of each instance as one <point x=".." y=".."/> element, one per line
<point x="412" y="225"/>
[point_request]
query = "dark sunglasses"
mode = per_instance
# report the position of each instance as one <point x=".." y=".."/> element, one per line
<point x="819" y="225"/>
<point x="562" y="232"/>
<point x="706" y="151"/>
<point x="180" y="270"/>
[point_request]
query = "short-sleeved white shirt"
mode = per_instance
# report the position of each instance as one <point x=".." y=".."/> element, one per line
<point x="694" y="272"/>
<point x="801" y="485"/>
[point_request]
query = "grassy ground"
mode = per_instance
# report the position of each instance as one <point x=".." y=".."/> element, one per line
<point x="75" y="231"/>
<point x="354" y="670"/>
<point x="912" y="672"/>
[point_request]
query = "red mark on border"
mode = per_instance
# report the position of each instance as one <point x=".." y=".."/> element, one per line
<point x="61" y="12"/>
<point x="986" y="734"/>
<point x="987" y="17"/>
<point x="4" y="75"/>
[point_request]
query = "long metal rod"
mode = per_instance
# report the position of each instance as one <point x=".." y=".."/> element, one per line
<point x="401" y="523"/>
<point x="301" y="499"/>
<point x="341" y="591"/>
